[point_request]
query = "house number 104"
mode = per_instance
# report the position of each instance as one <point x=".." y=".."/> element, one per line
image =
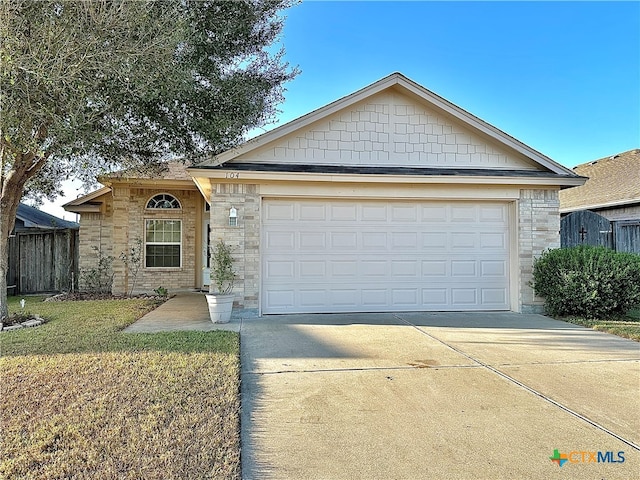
<point x="232" y="175"/>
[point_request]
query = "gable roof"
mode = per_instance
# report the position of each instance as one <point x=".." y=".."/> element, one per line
<point x="88" y="203"/>
<point x="408" y="87"/>
<point x="164" y="175"/>
<point x="613" y="181"/>
<point x="31" y="217"/>
<point x="171" y="170"/>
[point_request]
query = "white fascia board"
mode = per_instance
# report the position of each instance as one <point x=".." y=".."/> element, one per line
<point x="85" y="208"/>
<point x="617" y="203"/>
<point x="235" y="176"/>
<point x="87" y="198"/>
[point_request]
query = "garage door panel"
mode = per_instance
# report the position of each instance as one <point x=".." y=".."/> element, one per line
<point x="344" y="240"/>
<point x="345" y="298"/>
<point x="374" y="269"/>
<point x="404" y="269"/>
<point x="464" y="214"/>
<point x="435" y="298"/>
<point x="405" y="298"/>
<point x="404" y="213"/>
<point x="279" y="299"/>
<point x="434" y="213"/>
<point x="278" y="241"/>
<point x="343" y="212"/>
<point x="434" y="268"/>
<point x="493" y="240"/>
<point x="343" y="269"/>
<point x="374" y="297"/>
<point x="464" y="297"/>
<point x="463" y="268"/>
<point x="374" y="241"/>
<point x="349" y="256"/>
<point x="310" y="298"/>
<point x="493" y="268"/>
<point x="495" y="296"/>
<point x="374" y="213"/>
<point x="435" y="240"/>
<point x="312" y="241"/>
<point x="310" y="269"/>
<point x="404" y="240"/>
<point x="279" y="211"/>
<point x="492" y="214"/>
<point x="314" y="212"/>
<point x="281" y="269"/>
<point x="464" y="240"/>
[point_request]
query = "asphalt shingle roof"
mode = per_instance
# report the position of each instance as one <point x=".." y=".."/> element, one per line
<point x="34" y="218"/>
<point x="613" y="180"/>
<point x="175" y="170"/>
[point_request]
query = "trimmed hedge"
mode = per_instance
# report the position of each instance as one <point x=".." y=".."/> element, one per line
<point x="587" y="281"/>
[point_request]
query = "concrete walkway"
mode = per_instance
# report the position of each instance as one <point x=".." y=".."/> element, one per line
<point x="184" y="311"/>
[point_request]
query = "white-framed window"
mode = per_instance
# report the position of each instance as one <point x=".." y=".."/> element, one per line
<point x="163" y="243"/>
<point x="162" y="201"/>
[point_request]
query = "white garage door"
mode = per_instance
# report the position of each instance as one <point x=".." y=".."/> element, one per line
<point x="381" y="256"/>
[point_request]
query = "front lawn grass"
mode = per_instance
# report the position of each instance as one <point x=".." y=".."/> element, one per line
<point x="627" y="327"/>
<point x="81" y="399"/>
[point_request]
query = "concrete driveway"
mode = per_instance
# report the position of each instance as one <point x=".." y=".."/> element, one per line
<point x="424" y="395"/>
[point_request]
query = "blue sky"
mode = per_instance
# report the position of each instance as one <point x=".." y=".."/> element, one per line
<point x="562" y="77"/>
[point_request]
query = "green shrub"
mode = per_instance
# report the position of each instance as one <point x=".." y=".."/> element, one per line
<point x="591" y="282"/>
<point x="98" y="279"/>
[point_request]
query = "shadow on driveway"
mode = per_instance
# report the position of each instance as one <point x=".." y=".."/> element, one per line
<point x="403" y="395"/>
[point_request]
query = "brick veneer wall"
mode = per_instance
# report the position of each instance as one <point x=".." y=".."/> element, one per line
<point x="116" y="231"/>
<point x="243" y="238"/>
<point x="95" y="231"/>
<point x="539" y="229"/>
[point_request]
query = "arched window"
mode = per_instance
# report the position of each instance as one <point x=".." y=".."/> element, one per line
<point x="163" y="236"/>
<point x="163" y="200"/>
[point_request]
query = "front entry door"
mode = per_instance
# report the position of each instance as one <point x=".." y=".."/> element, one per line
<point x="206" y="259"/>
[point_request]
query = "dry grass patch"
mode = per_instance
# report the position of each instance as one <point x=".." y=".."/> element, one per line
<point x="628" y="327"/>
<point x="130" y="406"/>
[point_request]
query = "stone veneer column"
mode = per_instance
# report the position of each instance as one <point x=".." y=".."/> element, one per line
<point x="243" y="238"/>
<point x="539" y="230"/>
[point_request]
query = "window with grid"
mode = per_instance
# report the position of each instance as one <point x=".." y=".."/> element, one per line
<point x="163" y="243"/>
<point x="163" y="200"/>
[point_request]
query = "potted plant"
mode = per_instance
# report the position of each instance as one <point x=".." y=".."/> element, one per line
<point x="220" y="298"/>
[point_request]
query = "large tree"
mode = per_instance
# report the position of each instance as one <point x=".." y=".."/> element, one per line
<point x="89" y="86"/>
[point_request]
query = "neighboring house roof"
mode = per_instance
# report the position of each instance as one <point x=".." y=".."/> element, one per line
<point x="31" y="217"/>
<point x="613" y="182"/>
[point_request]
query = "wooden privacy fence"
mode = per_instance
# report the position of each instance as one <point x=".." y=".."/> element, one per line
<point x="588" y="228"/>
<point x="43" y="261"/>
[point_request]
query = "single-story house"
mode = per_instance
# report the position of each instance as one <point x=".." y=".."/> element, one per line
<point x="613" y="188"/>
<point x="389" y="199"/>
